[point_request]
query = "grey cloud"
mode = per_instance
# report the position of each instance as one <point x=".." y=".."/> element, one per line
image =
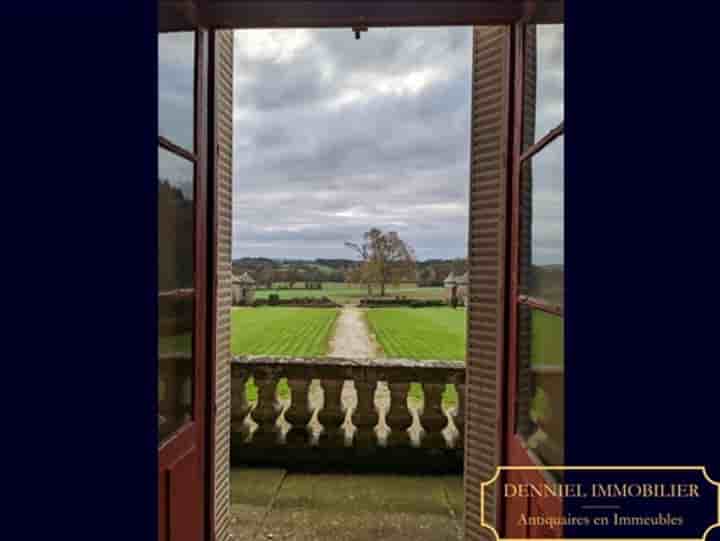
<point x="551" y="78"/>
<point x="548" y="204"/>
<point x="334" y="135"/>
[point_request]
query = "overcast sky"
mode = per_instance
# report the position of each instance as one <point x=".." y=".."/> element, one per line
<point x="335" y="135"/>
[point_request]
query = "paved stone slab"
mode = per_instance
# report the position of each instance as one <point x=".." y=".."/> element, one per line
<point x="254" y="486"/>
<point x="314" y="525"/>
<point x="345" y="507"/>
<point x="455" y="494"/>
<point x="364" y="492"/>
<point x="251" y="493"/>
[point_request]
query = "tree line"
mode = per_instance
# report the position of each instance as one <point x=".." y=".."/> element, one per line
<point x="382" y="259"/>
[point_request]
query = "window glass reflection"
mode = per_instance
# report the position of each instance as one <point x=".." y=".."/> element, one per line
<point x="540" y="405"/>
<point x="550" y="108"/>
<point x="176" y="87"/>
<point x="542" y="252"/>
<point x="176" y="293"/>
<point x="547" y="78"/>
<point x="541" y="394"/>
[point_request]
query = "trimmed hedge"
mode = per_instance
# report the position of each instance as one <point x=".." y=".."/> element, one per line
<point x="400" y="301"/>
<point x="309" y="302"/>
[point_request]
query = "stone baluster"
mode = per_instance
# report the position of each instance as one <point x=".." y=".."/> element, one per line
<point x="459" y="417"/>
<point x="299" y="413"/>
<point x="432" y="417"/>
<point x="239" y="405"/>
<point x="332" y="415"/>
<point x="365" y="416"/>
<point x="266" y="411"/>
<point x="398" y="416"/>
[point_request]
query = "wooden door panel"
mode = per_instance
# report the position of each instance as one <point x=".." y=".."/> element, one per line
<point x="163" y="514"/>
<point x="179" y="519"/>
<point x="185" y="522"/>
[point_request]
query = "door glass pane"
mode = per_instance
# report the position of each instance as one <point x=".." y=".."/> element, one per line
<point x="176" y="87"/>
<point x="544" y="80"/>
<point x="541" y="390"/>
<point x="176" y="293"/>
<point x="542" y="222"/>
<point x="541" y="357"/>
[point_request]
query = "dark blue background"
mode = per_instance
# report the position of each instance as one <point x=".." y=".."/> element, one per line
<point x="641" y="237"/>
<point x="79" y="233"/>
<point x="696" y="514"/>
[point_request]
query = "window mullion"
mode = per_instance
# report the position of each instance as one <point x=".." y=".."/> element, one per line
<point x="544" y="141"/>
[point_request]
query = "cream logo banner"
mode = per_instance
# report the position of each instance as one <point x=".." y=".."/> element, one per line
<point x="603" y="502"/>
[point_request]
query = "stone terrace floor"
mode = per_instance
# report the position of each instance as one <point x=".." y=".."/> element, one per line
<point x="275" y="504"/>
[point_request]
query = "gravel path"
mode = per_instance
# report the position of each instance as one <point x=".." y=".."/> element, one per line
<point x="352" y="338"/>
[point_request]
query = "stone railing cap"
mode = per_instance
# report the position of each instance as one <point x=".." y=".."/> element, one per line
<point x="265" y="360"/>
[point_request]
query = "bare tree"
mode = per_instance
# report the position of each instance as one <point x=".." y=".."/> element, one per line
<point x="362" y="274"/>
<point x="387" y="259"/>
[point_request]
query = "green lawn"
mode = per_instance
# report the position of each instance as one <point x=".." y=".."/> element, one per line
<point x="547" y="339"/>
<point x="420" y="333"/>
<point x="303" y="332"/>
<point x="348" y="293"/>
<point x="415" y="333"/>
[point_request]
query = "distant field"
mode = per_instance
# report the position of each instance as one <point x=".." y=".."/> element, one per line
<point x="282" y="331"/>
<point x="348" y="293"/>
<point x="420" y="333"/>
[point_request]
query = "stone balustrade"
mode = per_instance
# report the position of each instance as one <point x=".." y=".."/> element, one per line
<point x="347" y="411"/>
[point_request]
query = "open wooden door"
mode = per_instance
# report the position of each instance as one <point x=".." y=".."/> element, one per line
<point x="182" y="281"/>
<point x="515" y="364"/>
<point x="489" y="173"/>
<point x="535" y="380"/>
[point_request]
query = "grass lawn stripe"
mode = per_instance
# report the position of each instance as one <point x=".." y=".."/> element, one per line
<point x="281" y="331"/>
<point x="295" y="332"/>
<point x="420" y="333"/>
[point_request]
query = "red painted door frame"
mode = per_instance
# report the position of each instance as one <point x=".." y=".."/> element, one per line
<point x="183" y="457"/>
<point x="515" y="452"/>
